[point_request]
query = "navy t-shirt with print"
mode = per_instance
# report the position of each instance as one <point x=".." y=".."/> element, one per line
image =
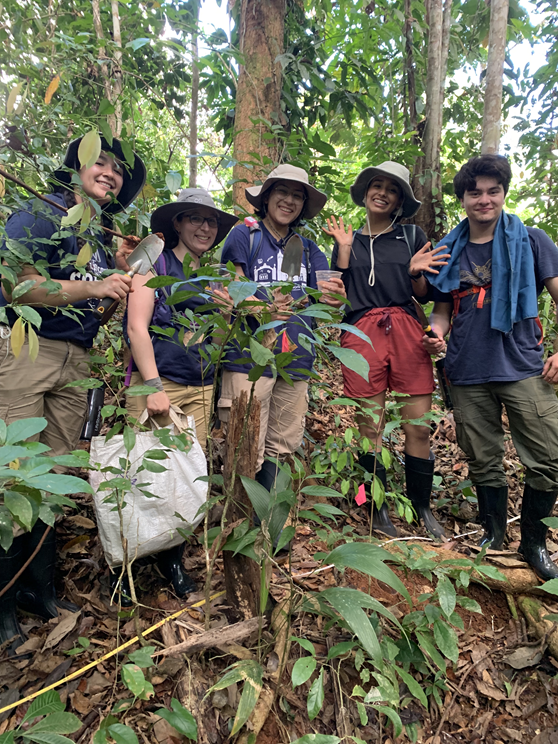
<point x="266" y="270"/>
<point x="33" y="229"/>
<point x="476" y="353"/>
<point x="181" y="364"/>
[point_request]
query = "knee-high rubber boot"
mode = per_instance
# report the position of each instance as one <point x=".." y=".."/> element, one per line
<point x="124" y="589"/>
<point x="493" y="515"/>
<point x="10" y="563"/>
<point x="267" y="475"/>
<point x="536" y="506"/>
<point x="170" y="565"/>
<point x="380" y="518"/>
<point x="36" y="593"/>
<point x="419" y="474"/>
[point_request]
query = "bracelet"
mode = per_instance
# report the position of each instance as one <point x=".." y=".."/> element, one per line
<point x="415" y="277"/>
<point x="156" y="383"/>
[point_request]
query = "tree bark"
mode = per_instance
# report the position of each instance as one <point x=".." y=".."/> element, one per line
<point x="98" y="25"/>
<point x="193" y="170"/>
<point x="117" y="68"/>
<point x="410" y="69"/>
<point x="491" y="121"/>
<point x="258" y="93"/>
<point x="242" y="574"/>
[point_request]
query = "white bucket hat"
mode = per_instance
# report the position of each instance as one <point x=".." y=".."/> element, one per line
<point x="397" y="173"/>
<point x="315" y="200"/>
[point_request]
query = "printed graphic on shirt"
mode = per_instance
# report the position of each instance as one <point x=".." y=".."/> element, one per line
<point x="94" y="270"/>
<point x="479" y="275"/>
<point x="266" y="271"/>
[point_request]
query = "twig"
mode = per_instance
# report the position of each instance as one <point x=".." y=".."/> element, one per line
<point x="27" y="562"/>
<point x="213" y="638"/>
<point x="475" y="532"/>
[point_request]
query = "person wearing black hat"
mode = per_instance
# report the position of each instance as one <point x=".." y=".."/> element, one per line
<point x="64" y="295"/>
<point x="192" y="226"/>
<point x="383" y="266"/>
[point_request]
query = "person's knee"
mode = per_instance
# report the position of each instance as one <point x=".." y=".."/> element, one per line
<point x="417" y="434"/>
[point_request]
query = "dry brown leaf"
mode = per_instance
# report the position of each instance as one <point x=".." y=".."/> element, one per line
<point x="97" y="683"/>
<point x="490" y="691"/>
<point x="80" y="703"/>
<point x="84" y="522"/>
<point x="52" y="88"/>
<point x="66" y="624"/>
<point x="32" y="644"/>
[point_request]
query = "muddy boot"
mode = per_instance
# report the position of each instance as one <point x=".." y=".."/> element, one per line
<point x="380" y="519"/>
<point x="170" y="565"/>
<point x="36" y="593"/>
<point x="493" y="515"/>
<point x="123" y="591"/>
<point x="536" y="506"/>
<point x="10" y="563"/>
<point x="419" y="474"/>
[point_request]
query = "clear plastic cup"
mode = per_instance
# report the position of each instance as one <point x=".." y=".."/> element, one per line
<point x="326" y="276"/>
<point x="220" y="270"/>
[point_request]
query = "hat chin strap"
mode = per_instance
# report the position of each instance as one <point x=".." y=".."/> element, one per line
<point x="372" y="275"/>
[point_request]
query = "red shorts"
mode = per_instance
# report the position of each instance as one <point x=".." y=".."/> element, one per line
<point x="398" y="361"/>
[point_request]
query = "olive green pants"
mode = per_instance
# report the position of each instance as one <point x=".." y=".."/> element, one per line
<point x="532" y="409"/>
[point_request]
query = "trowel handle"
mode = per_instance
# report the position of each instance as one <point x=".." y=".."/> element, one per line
<point x="106" y="308"/>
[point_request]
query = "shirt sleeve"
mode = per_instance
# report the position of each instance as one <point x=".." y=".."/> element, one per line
<point x="545" y="253"/>
<point x="237" y="248"/>
<point x="34" y="230"/>
<point x="438" y="296"/>
<point x="318" y="262"/>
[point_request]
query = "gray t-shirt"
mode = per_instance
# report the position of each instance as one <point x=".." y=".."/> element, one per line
<point x="477" y="353"/>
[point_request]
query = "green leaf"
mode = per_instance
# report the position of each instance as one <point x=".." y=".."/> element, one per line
<point x="492" y="573"/>
<point x="141" y="390"/>
<point x="551" y="522"/>
<point x="285" y="537"/>
<point x="60" y="484"/>
<point x="260" y="354"/>
<point x="20" y="507"/>
<point x="142" y="657"/>
<point x="88" y="151"/>
<point x="136" y="44"/>
<point x="57" y="723"/>
<point x="23" y="287"/>
<point x="122" y="734"/>
<point x="340" y="649"/>
<point x="550" y="586"/>
<point x="347" y="604"/>
<point x="74" y="215"/>
<point x="393" y="717"/>
<point x="317" y="739"/>
<point x="446" y="639"/>
<point x="414" y="688"/>
<point x="469" y="604"/>
<point x="321" y="491"/>
<point x="258" y="495"/>
<point x="316" y="697"/>
<point x="128" y="152"/>
<point x="181" y="719"/>
<point x="303" y="669"/>
<point x="351" y="359"/>
<point x="11" y="453"/>
<point x="129" y="438"/>
<point x="133" y="678"/>
<point x="47" y="737"/>
<point x="253" y="674"/>
<point x="7" y="738"/>
<point x="447" y="596"/>
<point x="173" y="181"/>
<point x="239" y="291"/>
<point x="23" y="429"/>
<point x="48" y="702"/>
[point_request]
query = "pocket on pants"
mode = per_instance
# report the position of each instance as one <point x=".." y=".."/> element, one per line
<point x="463" y="439"/>
<point x="224" y="409"/>
<point x="547" y="414"/>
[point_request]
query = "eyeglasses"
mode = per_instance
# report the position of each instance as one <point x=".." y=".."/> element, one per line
<point x="197" y="220"/>
<point x="284" y="193"/>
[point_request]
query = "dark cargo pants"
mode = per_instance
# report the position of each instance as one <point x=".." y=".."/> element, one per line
<point x="532" y="408"/>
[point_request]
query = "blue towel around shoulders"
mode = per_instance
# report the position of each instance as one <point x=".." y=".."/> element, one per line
<point x="514" y="288"/>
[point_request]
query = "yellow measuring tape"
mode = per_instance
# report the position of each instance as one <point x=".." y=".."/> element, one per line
<point x="86" y="668"/>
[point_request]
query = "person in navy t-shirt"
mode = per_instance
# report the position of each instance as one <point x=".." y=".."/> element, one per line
<point x="281" y="202"/>
<point x="488" y="294"/>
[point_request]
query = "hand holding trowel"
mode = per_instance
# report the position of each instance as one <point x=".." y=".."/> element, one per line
<point x="440" y="364"/>
<point x="140" y="261"/>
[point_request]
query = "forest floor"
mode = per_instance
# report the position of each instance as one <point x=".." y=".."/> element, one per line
<point x="486" y="699"/>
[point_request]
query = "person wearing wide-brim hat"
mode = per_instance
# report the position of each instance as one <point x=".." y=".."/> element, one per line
<point x="284" y="199"/>
<point x="192" y="225"/>
<point x="384" y="265"/>
<point x="31" y="387"/>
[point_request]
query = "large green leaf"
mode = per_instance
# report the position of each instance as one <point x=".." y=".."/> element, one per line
<point x="352" y="360"/>
<point x="446" y="639"/>
<point x="252" y="673"/>
<point x="393" y="717"/>
<point x="122" y="734"/>
<point x="316" y="696"/>
<point x="447" y="596"/>
<point x="47" y="737"/>
<point x="181" y="719"/>
<point x="317" y="739"/>
<point x="414" y="687"/>
<point x="48" y="702"/>
<point x="258" y="495"/>
<point x="20" y="507"/>
<point x="133" y="678"/>
<point x="303" y="669"/>
<point x="21" y="430"/>
<point x="239" y="291"/>
<point x="57" y="723"/>
<point x="59" y="484"/>
<point x="346" y="602"/>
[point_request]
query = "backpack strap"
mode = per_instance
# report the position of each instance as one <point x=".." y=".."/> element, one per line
<point x="410" y="234"/>
<point x="255" y="240"/>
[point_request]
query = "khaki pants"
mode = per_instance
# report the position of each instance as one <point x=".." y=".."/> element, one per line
<point x="283" y="410"/>
<point x="192" y="401"/>
<point x="532" y="409"/>
<point x="36" y="389"/>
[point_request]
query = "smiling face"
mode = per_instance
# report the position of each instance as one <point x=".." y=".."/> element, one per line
<point x="198" y="238"/>
<point x="106" y="175"/>
<point x="285" y="202"/>
<point x="383" y="197"/>
<point x="484" y="203"/>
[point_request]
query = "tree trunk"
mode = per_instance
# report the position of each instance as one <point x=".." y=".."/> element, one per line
<point x="242" y="574"/>
<point x="97" y="23"/>
<point x="193" y="170"/>
<point x="410" y="70"/>
<point x="258" y="93"/>
<point x="117" y="68"/>
<point x="427" y="181"/>
<point x="491" y="123"/>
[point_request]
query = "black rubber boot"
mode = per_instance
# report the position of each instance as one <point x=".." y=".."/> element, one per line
<point x="10" y="563"/>
<point x="380" y="519"/>
<point x="170" y="565"/>
<point x="419" y="474"/>
<point x="124" y="589"/>
<point x="36" y="593"/>
<point x="536" y="506"/>
<point x="267" y="476"/>
<point x="493" y="515"/>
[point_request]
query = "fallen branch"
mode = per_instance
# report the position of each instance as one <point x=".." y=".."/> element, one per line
<point x="214" y="638"/>
<point x="546" y="630"/>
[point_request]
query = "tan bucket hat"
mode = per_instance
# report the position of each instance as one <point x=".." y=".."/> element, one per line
<point x="315" y="200"/>
<point x="397" y="173"/>
<point x="188" y="201"/>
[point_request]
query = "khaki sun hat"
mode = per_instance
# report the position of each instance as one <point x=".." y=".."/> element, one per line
<point x="315" y="200"/>
<point x="188" y="201"/>
<point x="397" y="173"/>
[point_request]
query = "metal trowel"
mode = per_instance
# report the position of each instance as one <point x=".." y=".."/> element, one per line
<point x="292" y="257"/>
<point x="140" y="261"/>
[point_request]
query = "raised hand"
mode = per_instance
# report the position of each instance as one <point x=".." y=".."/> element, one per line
<point x="337" y="231"/>
<point x="124" y="250"/>
<point x="427" y="260"/>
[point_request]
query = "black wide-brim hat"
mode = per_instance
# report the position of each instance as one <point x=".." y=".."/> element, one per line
<point x="134" y="177"/>
<point x="188" y="201"/>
